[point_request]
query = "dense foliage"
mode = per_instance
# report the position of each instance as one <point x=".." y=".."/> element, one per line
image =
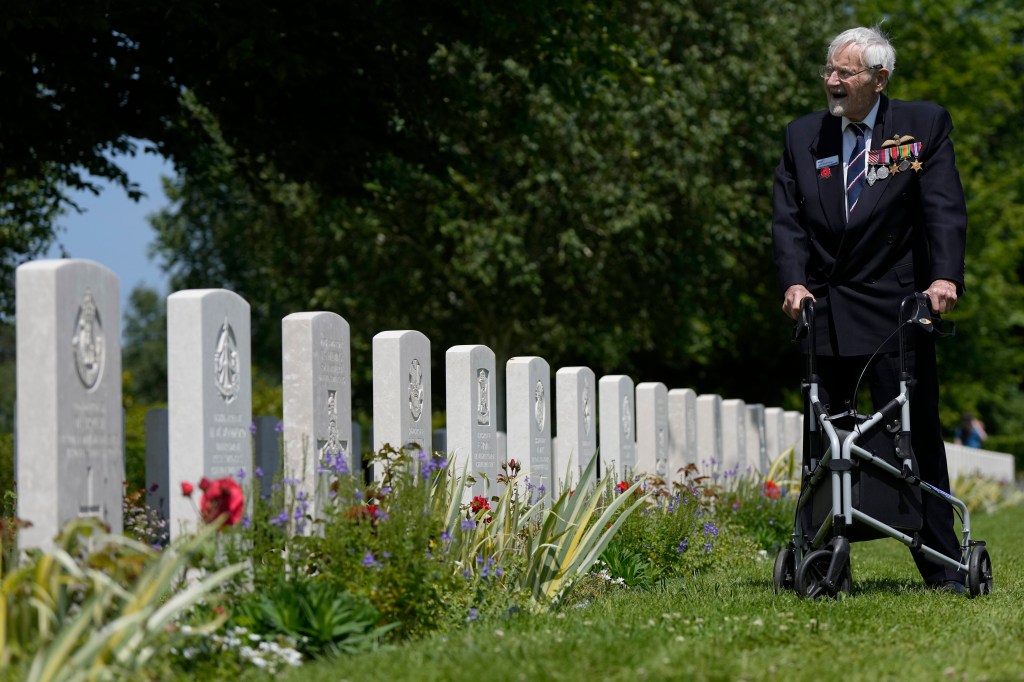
<point x="645" y="197"/>
<point x="584" y="182"/>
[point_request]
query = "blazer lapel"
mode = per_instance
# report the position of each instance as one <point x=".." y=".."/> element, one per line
<point x="831" y="192"/>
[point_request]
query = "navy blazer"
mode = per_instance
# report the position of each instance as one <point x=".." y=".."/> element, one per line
<point x="908" y="230"/>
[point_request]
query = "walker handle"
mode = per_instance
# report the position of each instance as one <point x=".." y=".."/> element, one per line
<point x="804" y="325"/>
<point x="804" y="328"/>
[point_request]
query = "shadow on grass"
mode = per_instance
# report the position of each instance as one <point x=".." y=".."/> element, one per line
<point x="861" y="587"/>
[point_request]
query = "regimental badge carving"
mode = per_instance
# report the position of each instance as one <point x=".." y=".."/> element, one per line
<point x="538" y="405"/>
<point x="627" y="418"/>
<point x="226" y="363"/>
<point x="416" y="390"/>
<point x="88" y="344"/>
<point x="587" y="418"/>
<point x="333" y="445"/>
<point x="483" y="387"/>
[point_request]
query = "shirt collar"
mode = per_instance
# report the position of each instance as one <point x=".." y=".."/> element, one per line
<point x="869" y="120"/>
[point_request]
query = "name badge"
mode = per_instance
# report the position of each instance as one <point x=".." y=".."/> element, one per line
<point x="826" y="162"/>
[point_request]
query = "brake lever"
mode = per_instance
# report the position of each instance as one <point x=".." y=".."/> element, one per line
<point x="924" y="318"/>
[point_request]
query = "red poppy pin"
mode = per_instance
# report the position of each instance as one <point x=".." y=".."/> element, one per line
<point x="825" y="173"/>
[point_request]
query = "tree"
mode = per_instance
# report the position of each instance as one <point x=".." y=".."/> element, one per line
<point x="144" y="351"/>
<point x="317" y="88"/>
<point x="626" y="228"/>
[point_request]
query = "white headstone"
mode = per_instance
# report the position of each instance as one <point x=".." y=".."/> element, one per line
<point x="652" y="429"/>
<point x="357" y="449"/>
<point x="70" y="446"/>
<point x="209" y="394"/>
<point x="794" y="420"/>
<point x="616" y="424"/>
<point x="775" y="431"/>
<point x="158" y="473"/>
<point x="402" y="409"/>
<point x="528" y="419"/>
<point x="575" y="421"/>
<point x="471" y="398"/>
<point x="709" y="433"/>
<point x="757" y="441"/>
<point x="502" y="447"/>
<point x="734" y="436"/>
<point x="266" y="454"/>
<point x="439" y="440"/>
<point x="682" y="430"/>
<point x="317" y="410"/>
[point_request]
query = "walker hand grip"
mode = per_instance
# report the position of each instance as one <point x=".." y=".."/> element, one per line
<point x="920" y="314"/>
<point x="803" y="326"/>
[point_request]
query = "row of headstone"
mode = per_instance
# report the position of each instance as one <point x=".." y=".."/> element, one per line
<point x="70" y="433"/>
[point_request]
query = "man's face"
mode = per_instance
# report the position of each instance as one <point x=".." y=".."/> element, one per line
<point x="853" y="97"/>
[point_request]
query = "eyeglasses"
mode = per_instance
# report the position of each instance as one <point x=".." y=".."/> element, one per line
<point x="825" y="71"/>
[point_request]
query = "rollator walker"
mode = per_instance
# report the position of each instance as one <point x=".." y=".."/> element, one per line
<point x="864" y="483"/>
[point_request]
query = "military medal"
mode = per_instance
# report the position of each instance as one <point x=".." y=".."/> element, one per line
<point x="872" y="176"/>
<point x="917" y="165"/>
<point x="883" y="172"/>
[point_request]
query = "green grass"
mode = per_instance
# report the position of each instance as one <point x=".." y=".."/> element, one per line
<point x="731" y="626"/>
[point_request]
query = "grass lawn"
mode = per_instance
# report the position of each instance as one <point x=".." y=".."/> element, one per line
<point x="731" y="626"/>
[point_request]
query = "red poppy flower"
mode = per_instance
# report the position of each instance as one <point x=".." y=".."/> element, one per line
<point x="369" y="512"/>
<point x="826" y="173"/>
<point x="772" y="490"/>
<point x="222" y="498"/>
<point x="622" y="486"/>
<point x="479" y="503"/>
<point x="186" y="489"/>
<point x="204" y="483"/>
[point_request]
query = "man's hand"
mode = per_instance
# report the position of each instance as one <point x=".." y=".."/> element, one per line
<point x="797" y="293"/>
<point x="941" y="296"/>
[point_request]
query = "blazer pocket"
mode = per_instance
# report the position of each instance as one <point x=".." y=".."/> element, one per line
<point x="904" y="274"/>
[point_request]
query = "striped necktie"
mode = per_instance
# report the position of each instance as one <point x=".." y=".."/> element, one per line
<point x="855" y="169"/>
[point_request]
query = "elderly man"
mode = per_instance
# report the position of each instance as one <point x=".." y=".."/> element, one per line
<point x="868" y="209"/>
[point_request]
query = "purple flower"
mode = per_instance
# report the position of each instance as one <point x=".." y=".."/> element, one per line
<point x="246" y="522"/>
<point x="241" y="474"/>
<point x="468" y="524"/>
<point x="472" y="615"/>
<point x="446" y="536"/>
<point x="682" y="546"/>
<point x="369" y="561"/>
<point x="259" y="472"/>
<point x="280" y="520"/>
<point x="279" y="427"/>
<point x="340" y="464"/>
<point x="252" y="428"/>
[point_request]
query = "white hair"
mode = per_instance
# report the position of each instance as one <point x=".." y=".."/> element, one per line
<point x="876" y="50"/>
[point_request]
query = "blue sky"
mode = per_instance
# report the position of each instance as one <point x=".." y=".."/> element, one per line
<point x="113" y="230"/>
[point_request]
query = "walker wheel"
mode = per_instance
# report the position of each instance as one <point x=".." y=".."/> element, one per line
<point x="979" y="572"/>
<point x="784" y="575"/>
<point x="811" y="578"/>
